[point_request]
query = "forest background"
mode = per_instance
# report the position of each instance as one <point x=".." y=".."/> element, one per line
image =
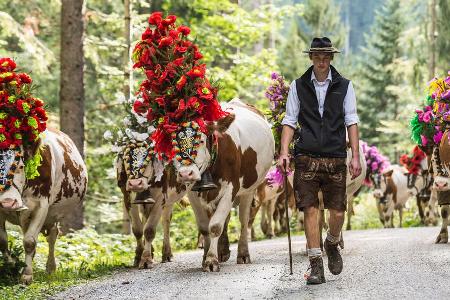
<point x="390" y="50"/>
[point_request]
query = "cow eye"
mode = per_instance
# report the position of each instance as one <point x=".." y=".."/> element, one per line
<point x="21" y="167"/>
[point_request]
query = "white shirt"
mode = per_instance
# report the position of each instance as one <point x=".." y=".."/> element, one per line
<point x="293" y="102"/>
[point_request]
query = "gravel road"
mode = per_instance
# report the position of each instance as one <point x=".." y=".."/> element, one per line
<point x="378" y="264"/>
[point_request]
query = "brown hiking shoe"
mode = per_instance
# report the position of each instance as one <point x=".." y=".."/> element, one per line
<point x="335" y="263"/>
<point x="316" y="275"/>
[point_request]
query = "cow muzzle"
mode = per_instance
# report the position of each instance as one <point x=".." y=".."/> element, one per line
<point x="136" y="185"/>
<point x="188" y="175"/>
<point x="441" y="186"/>
<point x="378" y="194"/>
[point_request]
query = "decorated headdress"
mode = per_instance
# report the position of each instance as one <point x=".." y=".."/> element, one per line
<point x="428" y="124"/>
<point x="277" y="94"/>
<point x="412" y="164"/>
<point x="176" y="93"/>
<point x="22" y="119"/>
<point x="376" y="162"/>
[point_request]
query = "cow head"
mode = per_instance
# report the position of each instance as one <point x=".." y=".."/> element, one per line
<point x="194" y="153"/>
<point x="441" y="177"/>
<point x="12" y="173"/>
<point x="376" y="179"/>
<point x="135" y="167"/>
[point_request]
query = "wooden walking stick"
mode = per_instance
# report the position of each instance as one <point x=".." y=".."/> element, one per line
<point x="286" y="202"/>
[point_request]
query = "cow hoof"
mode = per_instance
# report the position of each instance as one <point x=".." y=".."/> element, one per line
<point x="26" y="279"/>
<point x="223" y="257"/>
<point x="211" y="264"/>
<point x="442" y="239"/>
<point x="146" y="261"/>
<point x="244" y="259"/>
<point x="167" y="258"/>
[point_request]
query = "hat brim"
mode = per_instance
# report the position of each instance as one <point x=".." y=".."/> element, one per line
<point x="322" y="50"/>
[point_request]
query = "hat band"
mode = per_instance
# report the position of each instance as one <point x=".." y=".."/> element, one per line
<point x="324" y="49"/>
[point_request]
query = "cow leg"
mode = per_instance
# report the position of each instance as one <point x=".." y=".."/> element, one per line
<point x="31" y="232"/>
<point x="166" y="219"/>
<point x="271" y="210"/>
<point x="52" y="235"/>
<point x="256" y="205"/>
<point x="243" y="256"/>
<point x="380" y="211"/>
<point x="4" y="244"/>
<point x="146" y="261"/>
<point x="200" y="241"/>
<point x="350" y="212"/>
<point x="442" y="238"/>
<point x="421" y="210"/>
<point x="215" y="229"/>
<point x="264" y="217"/>
<point x="202" y="218"/>
<point x="400" y="216"/>
<point x="137" y="229"/>
<point x="224" y="243"/>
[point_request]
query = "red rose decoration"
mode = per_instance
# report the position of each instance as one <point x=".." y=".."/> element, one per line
<point x="197" y="72"/>
<point x="169" y="20"/>
<point x="155" y="18"/>
<point x="181" y="82"/>
<point x="184" y="30"/>
<point x="175" y="90"/>
<point x="166" y="41"/>
<point x="22" y="117"/>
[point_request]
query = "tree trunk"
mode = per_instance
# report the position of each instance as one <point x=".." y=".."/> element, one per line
<point x="126" y="225"/>
<point x="433" y="36"/>
<point x="71" y="93"/>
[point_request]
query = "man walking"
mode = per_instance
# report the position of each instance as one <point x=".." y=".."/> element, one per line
<point x="323" y="103"/>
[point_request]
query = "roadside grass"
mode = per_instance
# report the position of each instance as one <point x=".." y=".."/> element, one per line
<point x="85" y="255"/>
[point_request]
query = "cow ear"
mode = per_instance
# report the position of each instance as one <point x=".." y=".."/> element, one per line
<point x="388" y="174"/>
<point x="29" y="150"/>
<point x="121" y="175"/>
<point x="221" y="125"/>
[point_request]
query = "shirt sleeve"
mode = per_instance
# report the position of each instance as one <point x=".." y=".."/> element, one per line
<point x="350" y="113"/>
<point x="292" y="107"/>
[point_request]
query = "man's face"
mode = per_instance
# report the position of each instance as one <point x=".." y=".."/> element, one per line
<point x="321" y="61"/>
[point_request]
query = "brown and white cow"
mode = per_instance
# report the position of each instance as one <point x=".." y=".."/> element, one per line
<point x="50" y="197"/>
<point x="244" y="155"/>
<point x="160" y="185"/>
<point x="144" y="218"/>
<point x="393" y="189"/>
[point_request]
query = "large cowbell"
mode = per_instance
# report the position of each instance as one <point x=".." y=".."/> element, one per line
<point x="7" y="158"/>
<point x="186" y="141"/>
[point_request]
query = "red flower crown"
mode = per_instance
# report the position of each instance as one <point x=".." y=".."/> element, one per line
<point x="176" y="89"/>
<point x="22" y="117"/>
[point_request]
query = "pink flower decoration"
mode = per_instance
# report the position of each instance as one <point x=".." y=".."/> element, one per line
<point x="424" y="140"/>
<point x="427" y="116"/>
<point x="438" y="137"/>
<point x="275" y="177"/>
<point x="374" y="165"/>
<point x="446" y="95"/>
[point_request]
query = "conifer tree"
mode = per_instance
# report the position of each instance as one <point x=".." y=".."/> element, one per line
<point x="376" y="99"/>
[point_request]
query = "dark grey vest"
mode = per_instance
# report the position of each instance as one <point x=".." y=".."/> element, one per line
<point x="321" y="136"/>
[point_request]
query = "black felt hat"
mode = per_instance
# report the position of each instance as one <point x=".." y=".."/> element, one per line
<point x="322" y="44"/>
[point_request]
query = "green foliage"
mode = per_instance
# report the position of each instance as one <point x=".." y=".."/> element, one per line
<point x="443" y="28"/>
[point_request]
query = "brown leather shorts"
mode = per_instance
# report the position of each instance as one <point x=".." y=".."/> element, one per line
<point x="320" y="174"/>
